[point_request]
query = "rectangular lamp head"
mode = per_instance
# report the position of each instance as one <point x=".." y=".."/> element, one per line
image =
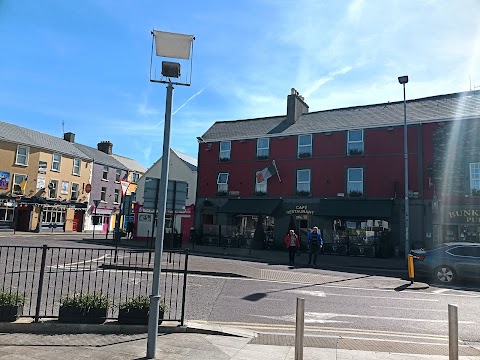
<point x="403" y="79"/>
<point x="172" y="45"/>
<point x="170" y="69"/>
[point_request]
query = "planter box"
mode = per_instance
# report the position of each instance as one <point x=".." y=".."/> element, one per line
<point x="136" y="316"/>
<point x="81" y="316"/>
<point x="366" y="251"/>
<point x="335" y="249"/>
<point x="10" y="313"/>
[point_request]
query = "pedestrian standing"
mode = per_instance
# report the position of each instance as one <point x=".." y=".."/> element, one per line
<point x="314" y="243"/>
<point x="292" y="243"/>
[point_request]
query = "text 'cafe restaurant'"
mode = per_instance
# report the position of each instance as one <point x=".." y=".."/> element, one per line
<point x="348" y="226"/>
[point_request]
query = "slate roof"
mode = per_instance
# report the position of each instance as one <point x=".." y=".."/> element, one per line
<point x="439" y="108"/>
<point x="191" y="162"/>
<point x="23" y="136"/>
<point x="100" y="157"/>
<point x="130" y="164"/>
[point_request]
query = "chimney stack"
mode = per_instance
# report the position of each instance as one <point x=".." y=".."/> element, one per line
<point x="69" y="136"/>
<point x="105" y="146"/>
<point x="296" y="106"/>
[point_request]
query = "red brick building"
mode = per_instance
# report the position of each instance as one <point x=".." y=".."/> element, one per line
<point x="341" y="170"/>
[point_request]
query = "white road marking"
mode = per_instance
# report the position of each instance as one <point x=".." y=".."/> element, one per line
<point x="323" y="294"/>
<point x="404" y="308"/>
<point x="439" y="291"/>
<point x="313" y="317"/>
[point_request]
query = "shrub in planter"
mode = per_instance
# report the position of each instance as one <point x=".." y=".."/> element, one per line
<point x="11" y="306"/>
<point x="356" y="152"/>
<point x="136" y="310"/>
<point x="355" y="193"/>
<point x="84" y="308"/>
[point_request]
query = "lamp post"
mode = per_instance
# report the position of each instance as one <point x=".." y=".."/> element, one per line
<point x="173" y="46"/>
<point x="403" y="80"/>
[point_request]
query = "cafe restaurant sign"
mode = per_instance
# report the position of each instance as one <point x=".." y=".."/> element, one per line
<point x="461" y="215"/>
<point x="300" y="209"/>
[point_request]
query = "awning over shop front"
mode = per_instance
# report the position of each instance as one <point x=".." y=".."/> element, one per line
<point x="373" y="209"/>
<point x="251" y="206"/>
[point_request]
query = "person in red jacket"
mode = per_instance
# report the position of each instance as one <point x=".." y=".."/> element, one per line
<point x="292" y="243"/>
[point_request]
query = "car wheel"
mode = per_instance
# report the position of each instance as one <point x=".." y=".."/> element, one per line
<point x="444" y="274"/>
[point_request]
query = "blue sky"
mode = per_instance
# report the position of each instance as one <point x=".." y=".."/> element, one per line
<point x="88" y="64"/>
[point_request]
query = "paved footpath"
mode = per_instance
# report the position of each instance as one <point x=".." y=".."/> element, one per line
<point x="212" y="342"/>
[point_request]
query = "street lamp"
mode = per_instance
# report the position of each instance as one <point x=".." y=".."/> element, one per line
<point x="173" y="46"/>
<point x="403" y="80"/>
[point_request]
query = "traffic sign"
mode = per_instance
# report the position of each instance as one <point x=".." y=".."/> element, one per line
<point x="124" y="184"/>
<point x="88" y="188"/>
<point x="96" y="202"/>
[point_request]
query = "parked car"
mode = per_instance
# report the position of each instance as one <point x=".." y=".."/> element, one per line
<point x="448" y="262"/>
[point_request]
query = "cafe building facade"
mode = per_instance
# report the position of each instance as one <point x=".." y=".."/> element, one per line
<point x="341" y="170"/>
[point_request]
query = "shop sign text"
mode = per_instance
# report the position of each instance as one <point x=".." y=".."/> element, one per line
<point x="300" y="209"/>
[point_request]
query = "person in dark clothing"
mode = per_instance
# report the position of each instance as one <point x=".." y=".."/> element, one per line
<point x="292" y="243"/>
<point x="130" y="228"/>
<point x="314" y="243"/>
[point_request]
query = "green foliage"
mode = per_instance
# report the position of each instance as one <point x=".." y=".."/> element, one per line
<point x="260" y="193"/>
<point x="354" y="193"/>
<point x="262" y="157"/>
<point x="476" y="192"/>
<point x="85" y="301"/>
<point x="225" y="159"/>
<point x="9" y="299"/>
<point x="221" y="193"/>
<point x="303" y="193"/>
<point x="356" y="152"/>
<point x="141" y="302"/>
<point x="305" y="155"/>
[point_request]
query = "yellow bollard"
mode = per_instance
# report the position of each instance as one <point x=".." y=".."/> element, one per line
<point x="411" y="268"/>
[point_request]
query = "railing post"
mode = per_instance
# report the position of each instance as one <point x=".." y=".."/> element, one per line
<point x="452" y="332"/>
<point x="299" y="328"/>
<point x="184" y="293"/>
<point x="40" y="283"/>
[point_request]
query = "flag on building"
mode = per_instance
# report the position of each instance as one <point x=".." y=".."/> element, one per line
<point x="266" y="173"/>
<point x="23" y="183"/>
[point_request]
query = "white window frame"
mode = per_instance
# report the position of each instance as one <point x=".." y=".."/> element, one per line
<point x="302" y="148"/>
<point x="304" y="185"/>
<point x="355" y="144"/>
<point x="225" y="154"/>
<point x="135" y="177"/>
<point x="54" y="190"/>
<point x="105" y="173"/>
<point x="17" y="179"/>
<point x="355" y="185"/>
<point x="474" y="178"/>
<point x="73" y="191"/>
<point x="103" y="194"/>
<point x="53" y="215"/>
<point x="27" y="153"/>
<point x="262" y="150"/>
<point x="116" y="196"/>
<point x="77" y="163"/>
<point x="222" y="186"/>
<point x="118" y="175"/>
<point x="260" y="187"/>
<point x="56" y="163"/>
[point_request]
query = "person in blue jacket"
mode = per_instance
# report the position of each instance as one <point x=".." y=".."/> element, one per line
<point x="314" y="243"/>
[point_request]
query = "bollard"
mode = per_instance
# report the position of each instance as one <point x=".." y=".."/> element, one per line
<point x="411" y="268"/>
<point x="452" y="332"/>
<point x="299" y="328"/>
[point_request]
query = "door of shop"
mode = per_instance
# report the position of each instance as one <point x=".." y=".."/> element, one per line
<point x="77" y="221"/>
<point x="23" y="219"/>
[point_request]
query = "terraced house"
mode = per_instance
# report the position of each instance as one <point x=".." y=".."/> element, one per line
<point x="43" y="180"/>
<point x="50" y="182"/>
<point x="343" y="171"/>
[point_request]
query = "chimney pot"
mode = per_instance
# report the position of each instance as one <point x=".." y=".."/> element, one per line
<point x="105" y="146"/>
<point x="296" y="106"/>
<point x="69" y="136"/>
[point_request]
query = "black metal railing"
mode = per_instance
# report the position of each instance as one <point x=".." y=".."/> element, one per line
<point x="45" y="275"/>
